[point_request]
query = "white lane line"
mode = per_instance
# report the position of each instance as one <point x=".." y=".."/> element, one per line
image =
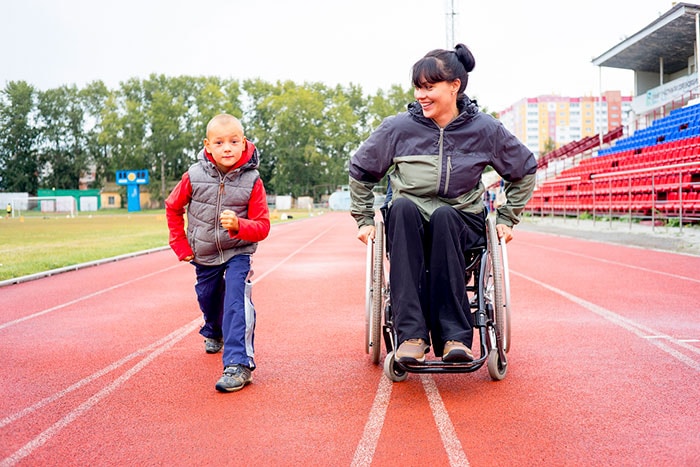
<point x="292" y="254"/>
<point x="615" y="263"/>
<point x="370" y="437"/>
<point x="156" y="349"/>
<point x="636" y="328"/>
<point x="116" y="286"/>
<point x="98" y="374"/>
<point x="84" y="297"/>
<point x="50" y="432"/>
<point x="453" y="447"/>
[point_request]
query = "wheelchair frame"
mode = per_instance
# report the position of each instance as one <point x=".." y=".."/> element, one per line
<point x="487" y="278"/>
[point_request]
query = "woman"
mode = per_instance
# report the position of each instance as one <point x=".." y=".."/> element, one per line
<point x="437" y="152"/>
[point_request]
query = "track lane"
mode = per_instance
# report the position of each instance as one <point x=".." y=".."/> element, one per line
<point x="657" y="289"/>
<point x="580" y="389"/>
<point x="298" y="339"/>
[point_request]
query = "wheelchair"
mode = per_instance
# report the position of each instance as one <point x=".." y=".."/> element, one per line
<point x="488" y="289"/>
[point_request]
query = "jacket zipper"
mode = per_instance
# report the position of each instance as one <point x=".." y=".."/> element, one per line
<point x="448" y="166"/>
<point x="449" y="171"/>
<point x="218" y="219"/>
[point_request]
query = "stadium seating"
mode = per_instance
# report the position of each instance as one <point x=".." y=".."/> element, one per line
<point x="656" y="171"/>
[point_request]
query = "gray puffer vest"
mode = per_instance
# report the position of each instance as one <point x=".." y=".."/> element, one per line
<point x="212" y="193"/>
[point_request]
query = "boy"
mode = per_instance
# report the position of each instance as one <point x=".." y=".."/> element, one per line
<point x="227" y="216"/>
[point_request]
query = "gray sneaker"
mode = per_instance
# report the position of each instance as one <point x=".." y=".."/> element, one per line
<point x="212" y="345"/>
<point x="234" y="378"/>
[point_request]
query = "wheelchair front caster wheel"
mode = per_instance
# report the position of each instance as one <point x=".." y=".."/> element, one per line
<point x="497" y="368"/>
<point x="391" y="371"/>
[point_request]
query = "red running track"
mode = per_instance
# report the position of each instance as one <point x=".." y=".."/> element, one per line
<point x="104" y="365"/>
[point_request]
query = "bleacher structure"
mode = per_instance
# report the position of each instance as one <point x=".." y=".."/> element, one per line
<point x="653" y="174"/>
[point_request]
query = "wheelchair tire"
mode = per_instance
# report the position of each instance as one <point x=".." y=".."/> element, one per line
<point x="375" y="318"/>
<point x="368" y="293"/>
<point x="497" y="368"/>
<point x="391" y="371"/>
<point x="506" y="294"/>
<point x="501" y="317"/>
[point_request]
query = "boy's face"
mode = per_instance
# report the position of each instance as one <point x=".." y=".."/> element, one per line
<point x="225" y="142"/>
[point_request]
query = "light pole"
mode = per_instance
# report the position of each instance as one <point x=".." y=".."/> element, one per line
<point x="450" y="23"/>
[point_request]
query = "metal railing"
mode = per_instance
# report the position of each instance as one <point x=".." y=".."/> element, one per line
<point x="619" y="201"/>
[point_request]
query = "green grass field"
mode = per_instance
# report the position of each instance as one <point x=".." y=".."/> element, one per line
<point x="36" y="243"/>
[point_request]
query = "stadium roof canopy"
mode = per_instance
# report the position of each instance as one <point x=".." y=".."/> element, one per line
<point x="671" y="37"/>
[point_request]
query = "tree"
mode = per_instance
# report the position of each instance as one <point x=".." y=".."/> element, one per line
<point x="342" y="123"/>
<point x="62" y="137"/>
<point x="19" y="167"/>
<point x="305" y="133"/>
<point x="549" y="146"/>
<point x="258" y="118"/>
<point x="123" y="131"/>
<point x="94" y="99"/>
<point x="382" y="105"/>
<point x="165" y="109"/>
<point x="293" y="139"/>
<point x="211" y="96"/>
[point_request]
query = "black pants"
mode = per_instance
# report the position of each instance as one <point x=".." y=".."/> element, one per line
<point x="427" y="264"/>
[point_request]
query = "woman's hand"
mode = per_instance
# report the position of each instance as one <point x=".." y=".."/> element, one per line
<point x="366" y="233"/>
<point x="504" y="232"/>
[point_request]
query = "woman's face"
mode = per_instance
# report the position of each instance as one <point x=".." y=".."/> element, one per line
<point x="438" y="100"/>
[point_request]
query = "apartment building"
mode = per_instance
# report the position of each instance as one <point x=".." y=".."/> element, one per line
<point x="548" y="122"/>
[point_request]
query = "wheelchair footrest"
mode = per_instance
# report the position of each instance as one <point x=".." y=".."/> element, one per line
<point x="438" y="366"/>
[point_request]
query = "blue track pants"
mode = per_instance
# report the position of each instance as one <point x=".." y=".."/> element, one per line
<point x="224" y="296"/>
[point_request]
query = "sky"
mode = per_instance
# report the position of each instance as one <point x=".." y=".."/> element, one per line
<point x="522" y="48"/>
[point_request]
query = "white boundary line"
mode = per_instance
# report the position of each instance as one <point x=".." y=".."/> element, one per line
<point x="76" y="267"/>
<point x="453" y="447"/>
<point x="84" y="297"/>
<point x="364" y="452"/>
<point x="615" y="263"/>
<point x="50" y="432"/>
<point x="33" y="408"/>
<point x="635" y="328"/>
<point x="155" y="350"/>
<point x="370" y="436"/>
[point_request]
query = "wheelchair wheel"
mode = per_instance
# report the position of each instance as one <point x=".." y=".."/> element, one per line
<point x="368" y="293"/>
<point x="391" y="371"/>
<point x="506" y="294"/>
<point x="497" y="368"/>
<point x="495" y="287"/>
<point x="374" y="318"/>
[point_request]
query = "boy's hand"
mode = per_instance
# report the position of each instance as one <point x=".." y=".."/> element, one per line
<point x="229" y="220"/>
<point x="188" y="258"/>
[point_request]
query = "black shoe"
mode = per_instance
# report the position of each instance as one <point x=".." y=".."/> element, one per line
<point x="212" y="345"/>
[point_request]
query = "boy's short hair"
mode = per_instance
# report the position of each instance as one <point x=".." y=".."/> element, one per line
<point x="223" y="119"/>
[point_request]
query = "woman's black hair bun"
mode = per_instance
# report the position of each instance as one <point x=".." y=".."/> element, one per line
<point x="465" y="57"/>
